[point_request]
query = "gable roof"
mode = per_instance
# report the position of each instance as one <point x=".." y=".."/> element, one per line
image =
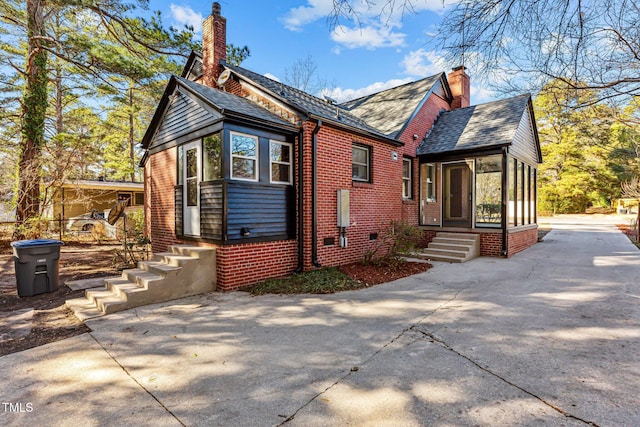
<point x="309" y="105"/>
<point x="391" y="110"/>
<point x="193" y="68"/>
<point x="232" y="105"/>
<point x="480" y="127"/>
<point x="227" y="104"/>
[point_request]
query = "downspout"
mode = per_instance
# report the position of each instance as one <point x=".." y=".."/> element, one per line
<point x="314" y="195"/>
<point x="300" y="202"/>
<point x="505" y="201"/>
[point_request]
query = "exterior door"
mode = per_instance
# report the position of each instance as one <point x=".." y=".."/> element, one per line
<point x="457" y="195"/>
<point x="191" y="179"/>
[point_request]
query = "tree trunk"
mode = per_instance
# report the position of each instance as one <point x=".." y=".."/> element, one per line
<point x="34" y="105"/>
<point x="132" y="158"/>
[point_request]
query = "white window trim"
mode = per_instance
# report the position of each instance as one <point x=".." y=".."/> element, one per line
<point x="407" y="179"/>
<point x="257" y="156"/>
<point x="433" y="177"/>
<point x="289" y="163"/>
<point x="367" y="164"/>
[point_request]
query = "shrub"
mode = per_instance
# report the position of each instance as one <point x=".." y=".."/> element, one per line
<point x="396" y="239"/>
<point x="32" y="228"/>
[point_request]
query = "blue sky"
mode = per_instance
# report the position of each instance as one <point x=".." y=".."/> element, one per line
<point x="355" y="59"/>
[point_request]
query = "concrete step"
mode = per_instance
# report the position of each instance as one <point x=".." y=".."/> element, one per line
<point x="104" y="299"/>
<point x="83" y="308"/>
<point x="445" y="252"/>
<point x="183" y="271"/>
<point x="438" y="257"/>
<point x="453" y="241"/>
<point x="192" y="251"/>
<point x="458" y="236"/>
<point x="452" y="247"/>
<point x="157" y="267"/>
<point x="449" y="246"/>
<point x="142" y="277"/>
<point x="170" y="258"/>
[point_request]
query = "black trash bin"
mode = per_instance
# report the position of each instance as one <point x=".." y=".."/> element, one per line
<point x="36" y="264"/>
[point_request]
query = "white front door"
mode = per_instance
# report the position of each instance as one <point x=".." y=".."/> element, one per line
<point x="191" y="199"/>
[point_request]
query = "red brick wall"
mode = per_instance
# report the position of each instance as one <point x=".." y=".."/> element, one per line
<point x="214" y="47"/>
<point x="372" y="205"/>
<point x="521" y="240"/>
<point x="460" y="88"/>
<point x="491" y="244"/>
<point x="147" y="196"/>
<point x="248" y="264"/>
<point x="420" y="125"/>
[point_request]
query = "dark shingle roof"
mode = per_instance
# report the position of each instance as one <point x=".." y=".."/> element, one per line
<point x="230" y="103"/>
<point x="482" y="126"/>
<point x="309" y="104"/>
<point x="391" y="110"/>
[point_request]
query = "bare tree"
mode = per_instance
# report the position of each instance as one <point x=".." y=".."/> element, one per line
<point x="586" y="44"/>
<point x="303" y="75"/>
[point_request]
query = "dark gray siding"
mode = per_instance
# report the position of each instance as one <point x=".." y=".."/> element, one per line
<point x="178" y="194"/>
<point x="211" y="210"/>
<point x="184" y="115"/>
<point x="267" y="210"/>
<point x="523" y="146"/>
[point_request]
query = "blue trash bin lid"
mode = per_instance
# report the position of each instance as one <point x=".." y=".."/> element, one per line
<point x="36" y="242"/>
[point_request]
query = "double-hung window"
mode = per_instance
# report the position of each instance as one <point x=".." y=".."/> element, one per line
<point x="360" y="163"/>
<point x="280" y="159"/>
<point x="407" y="181"/>
<point x="244" y="156"/>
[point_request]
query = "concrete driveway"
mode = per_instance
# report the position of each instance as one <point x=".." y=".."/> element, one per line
<point x="548" y="337"/>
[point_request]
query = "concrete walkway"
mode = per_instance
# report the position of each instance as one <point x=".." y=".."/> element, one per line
<point x="548" y="337"/>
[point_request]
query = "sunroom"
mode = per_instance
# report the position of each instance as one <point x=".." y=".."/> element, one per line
<point x="478" y="173"/>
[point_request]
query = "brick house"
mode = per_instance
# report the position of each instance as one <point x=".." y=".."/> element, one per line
<point x="280" y="181"/>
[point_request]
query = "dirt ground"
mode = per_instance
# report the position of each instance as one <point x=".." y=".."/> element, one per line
<point x="52" y="320"/>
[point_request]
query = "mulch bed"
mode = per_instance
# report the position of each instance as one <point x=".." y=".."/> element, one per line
<point x="629" y="232"/>
<point x="373" y="275"/>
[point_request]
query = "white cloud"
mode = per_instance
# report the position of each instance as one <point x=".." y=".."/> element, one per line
<point x="342" y="95"/>
<point x="480" y="95"/>
<point x="300" y="16"/>
<point x="271" y="76"/>
<point x="186" y="16"/>
<point x="423" y="63"/>
<point x="367" y="37"/>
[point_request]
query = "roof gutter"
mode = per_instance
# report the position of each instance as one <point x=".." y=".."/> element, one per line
<point x="314" y="195"/>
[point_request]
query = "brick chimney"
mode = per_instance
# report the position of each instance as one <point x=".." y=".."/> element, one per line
<point x="460" y="88"/>
<point x="214" y="45"/>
